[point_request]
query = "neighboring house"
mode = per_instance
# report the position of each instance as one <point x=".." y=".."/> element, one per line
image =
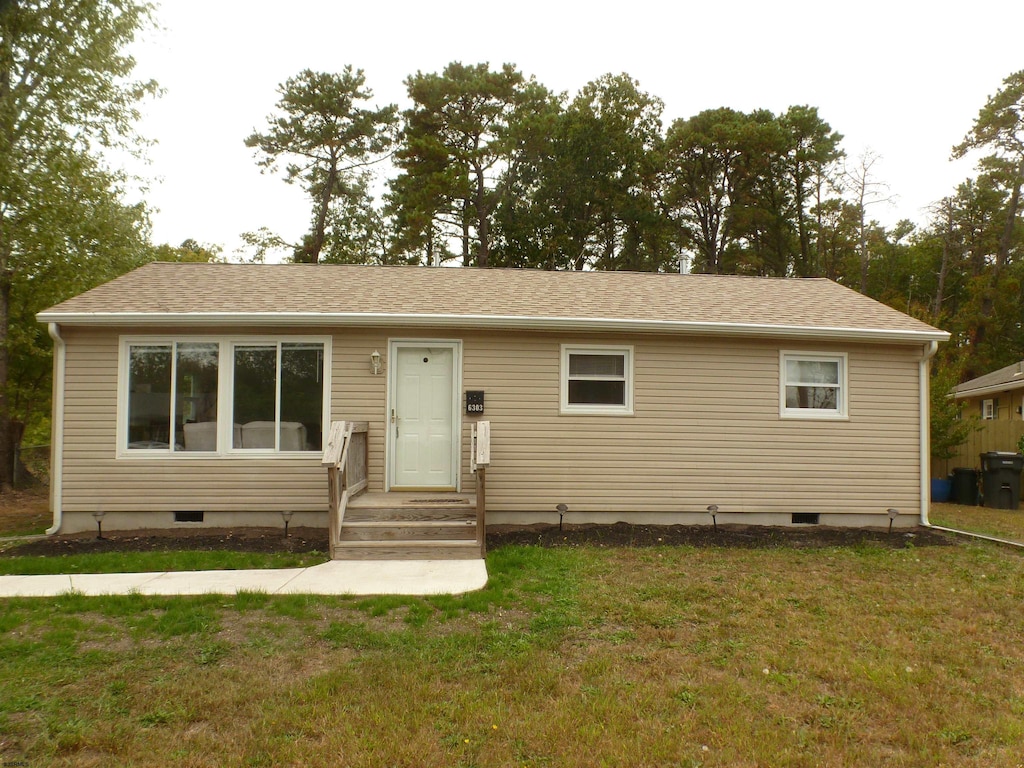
<point x="202" y="392"/>
<point x="996" y="396"/>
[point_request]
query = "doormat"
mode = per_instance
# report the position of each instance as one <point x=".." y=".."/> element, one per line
<point x="439" y="501"/>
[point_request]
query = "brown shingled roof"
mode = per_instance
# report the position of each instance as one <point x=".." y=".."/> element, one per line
<point x="1009" y="378"/>
<point x="164" y="293"/>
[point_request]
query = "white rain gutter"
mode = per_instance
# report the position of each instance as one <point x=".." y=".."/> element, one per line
<point x="57" y="429"/>
<point x="505" y="322"/>
<point x="926" y="444"/>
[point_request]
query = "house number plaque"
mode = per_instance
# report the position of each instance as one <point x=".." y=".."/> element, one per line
<point x="474" y="401"/>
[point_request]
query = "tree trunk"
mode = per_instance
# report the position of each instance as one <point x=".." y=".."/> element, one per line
<point x="315" y="244"/>
<point x="483" y="223"/>
<point x="819" y="240"/>
<point x="465" y="233"/>
<point x="1011" y="216"/>
<point x="988" y="301"/>
<point x="6" y="252"/>
<point x="803" y="268"/>
<point x="940" y="291"/>
<point x="6" y="430"/>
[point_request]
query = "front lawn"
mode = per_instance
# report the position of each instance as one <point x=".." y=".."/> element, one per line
<point x="1001" y="523"/>
<point x="573" y="656"/>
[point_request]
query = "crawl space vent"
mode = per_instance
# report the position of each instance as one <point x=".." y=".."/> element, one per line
<point x="805" y="518"/>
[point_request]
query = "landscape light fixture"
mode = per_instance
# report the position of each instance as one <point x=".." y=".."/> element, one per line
<point x="98" y="517"/>
<point x="713" y="511"/>
<point x="562" y="509"/>
<point x="287" y="516"/>
<point x="893" y="514"/>
<point x="375" y="363"/>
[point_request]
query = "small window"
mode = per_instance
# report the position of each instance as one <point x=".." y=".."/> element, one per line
<point x="597" y="380"/>
<point x="812" y="386"/>
<point x="988" y="409"/>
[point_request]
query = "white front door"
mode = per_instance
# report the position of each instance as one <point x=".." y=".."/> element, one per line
<point x="423" y="418"/>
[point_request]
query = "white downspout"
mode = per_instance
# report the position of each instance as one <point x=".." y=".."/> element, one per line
<point x="57" y="430"/>
<point x="926" y="443"/>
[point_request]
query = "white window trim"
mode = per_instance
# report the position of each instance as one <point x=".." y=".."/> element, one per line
<point x="988" y="409"/>
<point x="591" y="409"/>
<point x="839" y="414"/>
<point x="225" y="394"/>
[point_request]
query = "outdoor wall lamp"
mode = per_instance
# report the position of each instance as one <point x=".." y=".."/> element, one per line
<point x="286" y="516"/>
<point x="893" y="514"/>
<point x="375" y="363"/>
<point x="713" y="511"/>
<point x="98" y="517"/>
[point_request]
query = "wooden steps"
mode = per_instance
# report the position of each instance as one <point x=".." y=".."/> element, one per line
<point x="408" y="526"/>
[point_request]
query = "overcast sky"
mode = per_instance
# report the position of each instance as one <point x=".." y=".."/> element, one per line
<point x="902" y="79"/>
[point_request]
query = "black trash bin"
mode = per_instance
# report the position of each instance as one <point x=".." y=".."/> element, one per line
<point x="1000" y="479"/>
<point x="964" y="486"/>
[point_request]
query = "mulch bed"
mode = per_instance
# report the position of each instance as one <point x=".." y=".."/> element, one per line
<point x="615" y="535"/>
<point x="742" y="536"/>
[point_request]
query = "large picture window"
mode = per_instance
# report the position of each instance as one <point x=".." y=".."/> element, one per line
<point x="275" y="392"/>
<point x="278" y="395"/>
<point x="813" y="385"/>
<point x="597" y="380"/>
<point x="171" y="388"/>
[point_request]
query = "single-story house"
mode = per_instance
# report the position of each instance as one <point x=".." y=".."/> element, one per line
<point x="997" y="396"/>
<point x="201" y="394"/>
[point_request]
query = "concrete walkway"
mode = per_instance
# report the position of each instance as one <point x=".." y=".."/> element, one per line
<point x="337" y="577"/>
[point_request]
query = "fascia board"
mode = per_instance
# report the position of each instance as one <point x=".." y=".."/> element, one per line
<point x="588" y="324"/>
<point x="992" y="389"/>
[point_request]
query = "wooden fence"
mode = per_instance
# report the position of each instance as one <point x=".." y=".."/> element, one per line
<point x="990" y="436"/>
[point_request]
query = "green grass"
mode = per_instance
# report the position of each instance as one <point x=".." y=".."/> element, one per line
<point x="26" y="528"/>
<point x="574" y="657"/>
<point x="138" y="562"/>
<point x="1001" y="523"/>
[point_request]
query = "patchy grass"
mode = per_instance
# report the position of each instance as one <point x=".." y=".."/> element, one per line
<point x="1002" y="523"/>
<point x="671" y="656"/>
<point x="141" y="562"/>
<point x="25" y="512"/>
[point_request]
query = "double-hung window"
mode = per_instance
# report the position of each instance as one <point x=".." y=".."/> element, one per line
<point x="597" y="380"/>
<point x="221" y="396"/>
<point x="813" y="386"/>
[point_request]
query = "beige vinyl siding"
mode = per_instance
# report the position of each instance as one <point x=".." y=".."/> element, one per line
<point x="1008" y="401"/>
<point x="705" y="429"/>
<point x="95" y="478"/>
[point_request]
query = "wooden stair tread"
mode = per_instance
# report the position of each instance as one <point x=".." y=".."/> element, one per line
<point x="370" y="544"/>
<point x="409" y="523"/>
<point x="408" y="526"/>
<point x="442" y="549"/>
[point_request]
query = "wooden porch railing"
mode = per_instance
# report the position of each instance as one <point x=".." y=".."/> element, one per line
<point x="479" y="460"/>
<point x="345" y="457"/>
